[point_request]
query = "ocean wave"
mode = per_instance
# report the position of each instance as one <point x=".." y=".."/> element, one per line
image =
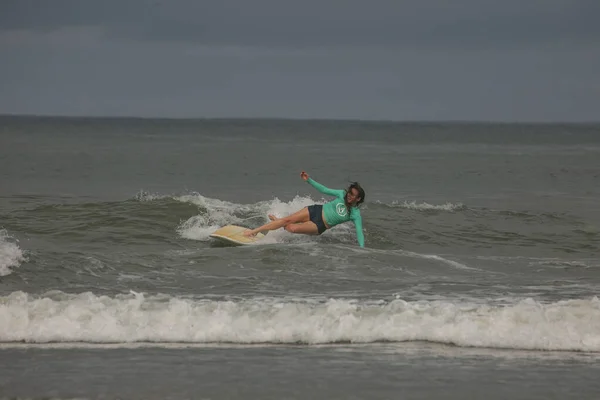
<point x="424" y="206"/>
<point x="11" y="256"/>
<point x="570" y="325"/>
<point x="452" y="263"/>
<point x="217" y="213"/>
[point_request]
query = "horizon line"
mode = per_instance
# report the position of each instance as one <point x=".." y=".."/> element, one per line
<point x="299" y="119"/>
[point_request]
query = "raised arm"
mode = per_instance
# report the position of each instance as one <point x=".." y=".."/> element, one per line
<point x="323" y="189"/>
<point x="319" y="187"/>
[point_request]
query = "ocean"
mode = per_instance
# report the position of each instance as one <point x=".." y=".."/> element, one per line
<point x="479" y="278"/>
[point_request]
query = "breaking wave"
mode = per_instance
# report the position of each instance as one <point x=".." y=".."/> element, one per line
<point x="572" y="325"/>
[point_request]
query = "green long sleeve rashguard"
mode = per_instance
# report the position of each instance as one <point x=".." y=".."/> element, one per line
<point x="335" y="212"/>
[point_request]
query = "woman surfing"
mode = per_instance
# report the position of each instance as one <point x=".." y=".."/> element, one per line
<point x="316" y="219"/>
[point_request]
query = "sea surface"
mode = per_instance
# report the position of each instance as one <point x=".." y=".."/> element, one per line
<point x="479" y="279"/>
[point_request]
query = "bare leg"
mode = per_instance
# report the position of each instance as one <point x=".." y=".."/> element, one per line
<point x="297" y="217"/>
<point x="306" y="228"/>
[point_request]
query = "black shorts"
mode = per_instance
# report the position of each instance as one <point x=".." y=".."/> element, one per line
<point x="315" y="213"/>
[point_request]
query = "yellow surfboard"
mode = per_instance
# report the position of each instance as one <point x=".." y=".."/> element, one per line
<point x="233" y="234"/>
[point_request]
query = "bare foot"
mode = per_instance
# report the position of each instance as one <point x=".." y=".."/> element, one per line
<point x="273" y="217"/>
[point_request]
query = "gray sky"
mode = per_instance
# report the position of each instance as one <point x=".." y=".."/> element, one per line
<point x="511" y="60"/>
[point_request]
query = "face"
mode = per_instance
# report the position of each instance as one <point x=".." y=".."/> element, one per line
<point x="353" y="196"/>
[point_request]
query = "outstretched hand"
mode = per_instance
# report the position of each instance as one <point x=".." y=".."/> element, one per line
<point x="304" y="176"/>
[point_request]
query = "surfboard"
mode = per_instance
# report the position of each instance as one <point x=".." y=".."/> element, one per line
<point x="233" y="234"/>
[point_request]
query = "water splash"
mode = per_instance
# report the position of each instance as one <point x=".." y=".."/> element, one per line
<point x="11" y="256"/>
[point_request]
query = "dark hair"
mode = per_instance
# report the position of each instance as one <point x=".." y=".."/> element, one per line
<point x="361" y="194"/>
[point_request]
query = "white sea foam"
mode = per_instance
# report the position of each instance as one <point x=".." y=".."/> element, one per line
<point x="197" y="227"/>
<point x="562" y="263"/>
<point x="146" y="196"/>
<point x="443" y="260"/>
<point x="413" y="205"/>
<point x="11" y="256"/>
<point x="527" y="324"/>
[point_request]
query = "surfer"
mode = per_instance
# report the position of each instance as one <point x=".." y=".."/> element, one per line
<point x="316" y="219"/>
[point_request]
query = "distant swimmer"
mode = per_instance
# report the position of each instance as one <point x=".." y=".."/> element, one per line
<point x="316" y="219"/>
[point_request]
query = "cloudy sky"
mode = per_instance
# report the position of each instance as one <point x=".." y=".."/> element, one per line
<point x="510" y="60"/>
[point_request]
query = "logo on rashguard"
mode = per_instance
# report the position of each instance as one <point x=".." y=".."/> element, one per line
<point x="341" y="210"/>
